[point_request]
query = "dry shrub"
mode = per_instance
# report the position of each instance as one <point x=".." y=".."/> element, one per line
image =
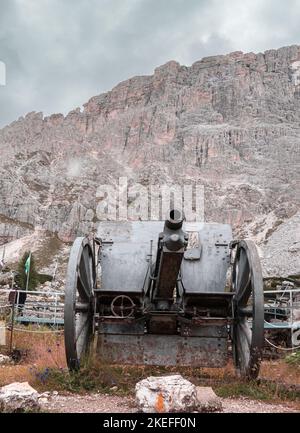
<point x="40" y="347"/>
<point x="14" y="373"/>
<point x="37" y="347"/>
<point x="280" y="371"/>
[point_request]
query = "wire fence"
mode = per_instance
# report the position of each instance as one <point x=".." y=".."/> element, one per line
<point x="282" y="313"/>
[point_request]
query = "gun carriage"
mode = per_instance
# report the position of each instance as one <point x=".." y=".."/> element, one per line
<point x="165" y="293"/>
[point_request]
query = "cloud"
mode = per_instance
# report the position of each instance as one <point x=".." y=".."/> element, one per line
<point x="59" y="53"/>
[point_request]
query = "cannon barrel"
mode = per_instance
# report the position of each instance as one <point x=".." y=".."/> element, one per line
<point x="172" y="243"/>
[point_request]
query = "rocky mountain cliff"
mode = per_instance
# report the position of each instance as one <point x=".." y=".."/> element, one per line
<point x="228" y="122"/>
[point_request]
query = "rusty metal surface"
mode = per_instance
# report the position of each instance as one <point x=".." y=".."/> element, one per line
<point x="212" y="331"/>
<point x="162" y="350"/>
<point x="162" y="324"/>
<point x="110" y="327"/>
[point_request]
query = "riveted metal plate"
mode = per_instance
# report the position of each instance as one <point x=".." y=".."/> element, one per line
<point x="164" y="350"/>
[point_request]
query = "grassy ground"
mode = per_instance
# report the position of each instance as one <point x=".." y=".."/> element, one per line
<point x="43" y="366"/>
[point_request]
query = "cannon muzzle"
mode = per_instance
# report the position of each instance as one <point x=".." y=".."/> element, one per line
<point x="173" y="236"/>
<point x="175" y="220"/>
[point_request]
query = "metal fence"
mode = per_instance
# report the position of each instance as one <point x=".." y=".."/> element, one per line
<point x="282" y="312"/>
<point x="42" y="308"/>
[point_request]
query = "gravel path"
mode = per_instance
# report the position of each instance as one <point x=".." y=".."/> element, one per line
<point x="91" y="403"/>
<point x="245" y="405"/>
<point x="103" y="403"/>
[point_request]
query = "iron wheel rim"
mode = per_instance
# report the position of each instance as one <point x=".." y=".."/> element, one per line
<point x="247" y="283"/>
<point x="79" y="295"/>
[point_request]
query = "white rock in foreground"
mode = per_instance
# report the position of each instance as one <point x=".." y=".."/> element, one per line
<point x="166" y="394"/>
<point x="4" y="359"/>
<point x="175" y="394"/>
<point x="19" y="397"/>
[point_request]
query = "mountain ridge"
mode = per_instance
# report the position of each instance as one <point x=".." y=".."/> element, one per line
<point x="228" y="122"/>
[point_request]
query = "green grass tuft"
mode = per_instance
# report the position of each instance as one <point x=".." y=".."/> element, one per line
<point x="257" y="390"/>
<point x="293" y="359"/>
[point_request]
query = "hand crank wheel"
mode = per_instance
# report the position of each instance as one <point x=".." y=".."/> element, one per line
<point x="248" y="303"/>
<point x="78" y="315"/>
<point x="122" y="306"/>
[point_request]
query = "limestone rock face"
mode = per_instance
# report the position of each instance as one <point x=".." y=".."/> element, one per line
<point x="281" y="250"/>
<point x="165" y="394"/>
<point x="19" y="397"/>
<point x="230" y="123"/>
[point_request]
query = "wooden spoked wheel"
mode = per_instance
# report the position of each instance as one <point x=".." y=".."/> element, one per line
<point x="79" y="295"/>
<point x="248" y="310"/>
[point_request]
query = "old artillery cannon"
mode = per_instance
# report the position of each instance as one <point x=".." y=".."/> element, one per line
<point x="165" y="293"/>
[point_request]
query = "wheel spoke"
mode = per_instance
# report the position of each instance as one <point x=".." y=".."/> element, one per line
<point x="245" y="329"/>
<point x="245" y="292"/>
<point x="243" y="271"/>
<point x="243" y="350"/>
<point x="83" y="274"/>
<point x="82" y="287"/>
<point x="82" y="326"/>
<point x="87" y="266"/>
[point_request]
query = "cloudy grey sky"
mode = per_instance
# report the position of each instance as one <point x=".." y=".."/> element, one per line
<point x="59" y="53"/>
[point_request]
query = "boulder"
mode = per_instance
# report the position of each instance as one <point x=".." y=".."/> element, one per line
<point x="165" y="394"/>
<point x="173" y="393"/>
<point x="207" y="400"/>
<point x="19" y="397"/>
<point x="4" y="359"/>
